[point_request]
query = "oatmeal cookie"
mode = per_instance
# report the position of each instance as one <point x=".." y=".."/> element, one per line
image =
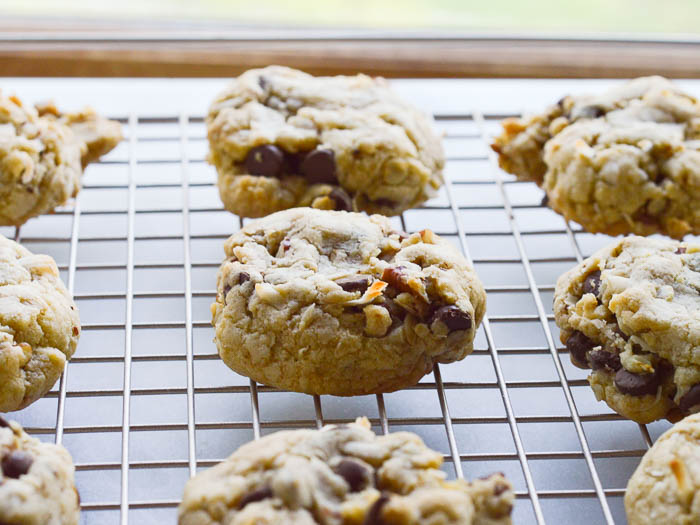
<point x="42" y="155"/>
<point x="331" y="302"/>
<point x="280" y="138"/>
<point x="341" y="475"/>
<point x="39" y="325"/>
<point x="625" y="161"/>
<point x="631" y="313"/>
<point x="37" y="484"/>
<point x="665" y="488"/>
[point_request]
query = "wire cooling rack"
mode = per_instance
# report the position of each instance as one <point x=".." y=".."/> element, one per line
<point x="146" y="401"/>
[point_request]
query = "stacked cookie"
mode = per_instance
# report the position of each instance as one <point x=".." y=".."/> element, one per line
<point x="322" y="299"/>
<point x="628" y="162"/>
<point x="42" y="155"/>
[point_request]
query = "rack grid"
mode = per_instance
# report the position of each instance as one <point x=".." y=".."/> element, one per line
<point x="146" y="402"/>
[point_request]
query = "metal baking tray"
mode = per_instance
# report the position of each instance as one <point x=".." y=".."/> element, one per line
<point x="146" y="402"/>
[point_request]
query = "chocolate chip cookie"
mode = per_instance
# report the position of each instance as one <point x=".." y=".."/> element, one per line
<point x="332" y="302"/>
<point x="631" y="313"/>
<point x="39" y="325"/>
<point x="626" y="161"/>
<point x="665" y="488"/>
<point x="36" y="480"/>
<point x="42" y="155"/>
<point x="280" y="138"/>
<point x="341" y="474"/>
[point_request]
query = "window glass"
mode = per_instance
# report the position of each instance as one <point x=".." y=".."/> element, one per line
<point x="556" y="17"/>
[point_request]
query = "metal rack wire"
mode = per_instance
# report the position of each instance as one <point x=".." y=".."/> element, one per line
<point x="146" y="401"/>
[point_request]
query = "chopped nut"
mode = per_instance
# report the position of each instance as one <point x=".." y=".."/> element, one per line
<point x="685" y="490"/>
<point x="372" y="293"/>
<point x="428" y="236"/>
<point x="378" y="320"/>
<point x="399" y="278"/>
<point x="268" y="293"/>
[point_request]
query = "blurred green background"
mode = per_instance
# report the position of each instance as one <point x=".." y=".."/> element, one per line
<point x="556" y="17"/>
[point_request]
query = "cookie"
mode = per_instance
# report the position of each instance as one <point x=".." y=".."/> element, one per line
<point x="39" y="325"/>
<point x="631" y="313"/>
<point x="625" y="161"/>
<point x="665" y="488"/>
<point x="37" y="484"/>
<point x="42" y="155"/>
<point x="332" y="302"/>
<point x="99" y="134"/>
<point x="341" y="474"/>
<point x="280" y="138"/>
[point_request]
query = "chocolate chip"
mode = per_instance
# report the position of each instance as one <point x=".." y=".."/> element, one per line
<point x="396" y="313"/>
<point x="591" y="112"/>
<point x="266" y="160"/>
<point x="643" y="217"/>
<point x="499" y="489"/>
<point x="358" y="283"/>
<point x="680" y="251"/>
<point x="258" y="494"/>
<point x="603" y="359"/>
<point x="385" y="203"/>
<point x="636" y="384"/>
<point x="292" y="161"/>
<point x="619" y="332"/>
<point x="592" y="283"/>
<point x="227" y="289"/>
<point x="4" y="423"/>
<point x="341" y="198"/>
<point x="396" y="277"/>
<point x="578" y="346"/>
<point x="454" y="318"/>
<point x="286" y="244"/>
<point x="262" y="82"/>
<point x="660" y="178"/>
<point x="319" y="167"/>
<point x="545" y="200"/>
<point x="690" y="399"/>
<point x="243" y="277"/>
<point x="374" y="514"/>
<point x="356" y="474"/>
<point x="16" y="464"/>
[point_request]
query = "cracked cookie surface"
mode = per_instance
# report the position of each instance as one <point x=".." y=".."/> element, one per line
<point x="665" y="488"/>
<point x="39" y="325"/>
<point x="42" y="155"/>
<point x="631" y="313"/>
<point x="625" y="161"/>
<point x="37" y="484"/>
<point x="280" y="138"/>
<point x="329" y="302"/>
<point x="341" y="475"/>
